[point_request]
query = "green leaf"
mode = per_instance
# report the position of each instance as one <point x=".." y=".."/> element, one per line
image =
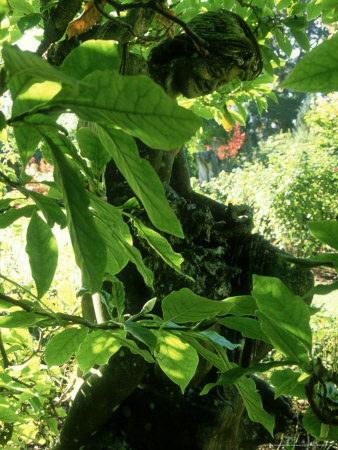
<point x="50" y="209"/>
<point x="285" y="342"/>
<point x="27" y="96"/>
<point x="283" y="42"/>
<point x="301" y="38"/>
<point x="287" y="382"/>
<point x="5" y="202"/>
<point x="214" y="359"/>
<point x="19" y="62"/>
<point x="142" y="178"/>
<point x="325" y="230"/>
<point x="143" y="334"/>
<point x="176" y="358"/>
<point x="84" y="59"/>
<point x="136" y="104"/>
<point x="185" y="306"/>
<point x="11" y="215"/>
<point x="243" y="305"/>
<point x="117" y="295"/>
<point x="281" y="306"/>
<point x="233" y="375"/>
<point x="3" y="12"/>
<point x="160" y="245"/>
<point x="134" y="348"/>
<point x="62" y="345"/>
<point x="317" y="71"/>
<point x="28" y="21"/>
<point x="89" y="248"/>
<point x="295" y="22"/>
<point x="313" y="9"/>
<point x="253" y="404"/>
<point x="283" y="4"/>
<point x="19" y="319"/>
<point x="97" y="348"/>
<point x="3" y="122"/>
<point x="8" y="412"/>
<point x="248" y="327"/>
<point x="135" y="257"/>
<point x="92" y="149"/>
<point x="43" y="253"/>
<point x="116" y="255"/>
<point x="216" y="338"/>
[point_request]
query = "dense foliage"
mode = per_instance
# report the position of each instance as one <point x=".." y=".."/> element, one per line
<point x="44" y="329"/>
<point x="292" y="181"/>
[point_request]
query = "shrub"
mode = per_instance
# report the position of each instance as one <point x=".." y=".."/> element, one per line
<point x="294" y="182"/>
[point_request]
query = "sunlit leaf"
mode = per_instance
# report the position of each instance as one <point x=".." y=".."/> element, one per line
<point x="136" y="104"/>
<point x="317" y="71"/>
<point x="142" y="178"/>
<point x="62" y="345"/>
<point x="89" y="248"/>
<point x="83" y="59"/>
<point x="42" y="252"/>
<point x="177" y="359"/>
<point x="185" y="306"/>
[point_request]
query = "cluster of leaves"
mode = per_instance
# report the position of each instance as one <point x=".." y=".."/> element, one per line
<point x="294" y="183"/>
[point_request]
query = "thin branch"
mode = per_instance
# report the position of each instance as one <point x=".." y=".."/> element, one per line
<point x="3" y="353"/>
<point x="200" y="43"/>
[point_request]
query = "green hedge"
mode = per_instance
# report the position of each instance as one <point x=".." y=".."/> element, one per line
<point x="294" y="181"/>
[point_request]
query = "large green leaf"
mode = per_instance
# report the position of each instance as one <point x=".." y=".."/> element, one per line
<point x="117" y="238"/>
<point x="50" y="209"/>
<point x="177" y="359"/>
<point x="142" y="178"/>
<point x="253" y="404"/>
<point x="8" y="412"/>
<point x="92" y="149"/>
<point x="135" y="257"/>
<point x="281" y="306"/>
<point x="248" y="327"/>
<point x="89" y="248"/>
<point x="84" y="58"/>
<point x="136" y="104"/>
<point x="62" y="345"/>
<point x="317" y="71"/>
<point x="97" y="348"/>
<point x="160" y="245"/>
<point x="283" y="341"/>
<point x="19" y="62"/>
<point x="19" y="319"/>
<point x="27" y="96"/>
<point x="142" y="334"/>
<point x="325" y="230"/>
<point x="213" y="358"/>
<point x="231" y="376"/>
<point x="185" y="306"/>
<point x="242" y="305"/>
<point x="43" y="253"/>
<point x="286" y="382"/>
<point x="13" y="214"/>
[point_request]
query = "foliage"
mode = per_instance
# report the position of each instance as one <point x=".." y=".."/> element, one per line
<point x="121" y="109"/>
<point x="285" y="190"/>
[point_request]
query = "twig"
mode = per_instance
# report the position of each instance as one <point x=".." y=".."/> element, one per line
<point x="3" y="353"/>
<point x="152" y="4"/>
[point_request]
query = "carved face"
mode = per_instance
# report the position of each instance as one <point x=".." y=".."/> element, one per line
<point x="197" y="77"/>
<point x="233" y="53"/>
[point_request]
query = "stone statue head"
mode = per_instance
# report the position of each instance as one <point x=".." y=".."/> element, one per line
<point x="232" y="52"/>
